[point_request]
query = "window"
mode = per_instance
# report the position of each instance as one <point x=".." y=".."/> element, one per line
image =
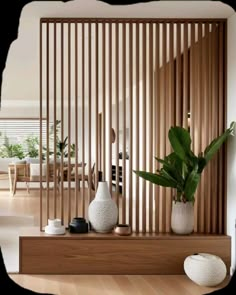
<point x="16" y="131"/>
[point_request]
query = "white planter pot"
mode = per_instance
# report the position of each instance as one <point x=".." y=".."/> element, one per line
<point x="182" y="217"/>
<point x="103" y="211"/>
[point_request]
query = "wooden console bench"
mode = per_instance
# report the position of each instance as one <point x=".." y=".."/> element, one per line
<point x="110" y="254"/>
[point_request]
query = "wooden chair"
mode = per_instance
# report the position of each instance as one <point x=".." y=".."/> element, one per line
<point x="21" y="174"/>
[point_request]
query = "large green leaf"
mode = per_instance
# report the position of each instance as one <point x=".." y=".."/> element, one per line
<point x="180" y="141"/>
<point x="201" y="164"/>
<point x="167" y="175"/>
<point x="179" y="164"/>
<point x="215" y="145"/>
<point x="171" y="170"/>
<point x="191" y="184"/>
<point x="156" y="179"/>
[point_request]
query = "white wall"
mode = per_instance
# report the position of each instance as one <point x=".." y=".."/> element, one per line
<point x="21" y="76"/>
<point x="231" y="115"/>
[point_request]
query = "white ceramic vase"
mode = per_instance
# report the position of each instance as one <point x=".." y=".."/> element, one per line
<point x="103" y="211"/>
<point x="182" y="217"/>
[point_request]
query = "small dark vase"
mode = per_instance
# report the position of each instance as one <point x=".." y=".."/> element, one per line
<point x="78" y="225"/>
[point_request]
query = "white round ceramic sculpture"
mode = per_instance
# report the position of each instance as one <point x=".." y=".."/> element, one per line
<point x="102" y="211"/>
<point x="205" y="269"/>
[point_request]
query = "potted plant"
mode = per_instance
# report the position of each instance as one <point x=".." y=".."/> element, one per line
<point x="11" y="150"/>
<point x="32" y="146"/>
<point x="181" y="170"/>
<point x="62" y="146"/>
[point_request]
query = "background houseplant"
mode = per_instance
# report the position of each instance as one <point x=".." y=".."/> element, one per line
<point x="11" y="150"/>
<point x="32" y="146"/>
<point x="181" y="170"/>
<point x="62" y="147"/>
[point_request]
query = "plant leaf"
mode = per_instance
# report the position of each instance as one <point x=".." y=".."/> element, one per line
<point x="201" y="164"/>
<point x="167" y="175"/>
<point x="180" y="141"/>
<point x="216" y="143"/>
<point x="156" y="179"/>
<point x="191" y="184"/>
<point x="171" y="171"/>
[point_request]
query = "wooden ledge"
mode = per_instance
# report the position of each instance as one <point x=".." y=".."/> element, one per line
<point x="34" y="232"/>
<point x="94" y="253"/>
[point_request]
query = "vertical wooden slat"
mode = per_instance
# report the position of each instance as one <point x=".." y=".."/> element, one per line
<point x="96" y="101"/>
<point x="209" y="192"/>
<point x="192" y="64"/>
<point x="192" y="108"/>
<point x="89" y="110"/>
<point x="214" y="124"/>
<point x="117" y="117"/>
<point x="55" y="118"/>
<point x="144" y="61"/>
<point x="47" y="118"/>
<point x="197" y="106"/>
<point x="110" y="109"/>
<point x="171" y="113"/>
<point x="223" y="101"/>
<point x="131" y="125"/>
<point x="196" y="103"/>
<point x="162" y="123"/>
<point x="124" y="124"/>
<point x="205" y="78"/>
<point x="220" y="177"/>
<point x="150" y="213"/>
<point x="83" y="119"/>
<point x="200" y="122"/>
<point x="185" y="78"/>
<point x="178" y="105"/>
<point x="156" y="111"/>
<point x="104" y="101"/>
<point x="40" y="121"/>
<point x="62" y="119"/>
<point x="69" y="121"/>
<point x="76" y="121"/>
<point x="216" y="120"/>
<point x="137" y="221"/>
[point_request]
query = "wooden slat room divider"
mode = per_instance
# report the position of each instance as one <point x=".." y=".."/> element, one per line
<point x="116" y="86"/>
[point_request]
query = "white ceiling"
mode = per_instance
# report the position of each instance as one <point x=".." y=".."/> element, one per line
<point x="156" y="9"/>
<point x="20" y="77"/>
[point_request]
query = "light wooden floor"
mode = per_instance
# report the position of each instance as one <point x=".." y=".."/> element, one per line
<point x="111" y="285"/>
<point x="28" y="204"/>
<point x="21" y="204"/>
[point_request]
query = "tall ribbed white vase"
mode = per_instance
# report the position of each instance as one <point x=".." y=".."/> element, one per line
<point x="103" y="211"/>
<point x="182" y="217"/>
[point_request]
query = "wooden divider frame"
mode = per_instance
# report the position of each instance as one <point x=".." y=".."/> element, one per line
<point x="137" y="77"/>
